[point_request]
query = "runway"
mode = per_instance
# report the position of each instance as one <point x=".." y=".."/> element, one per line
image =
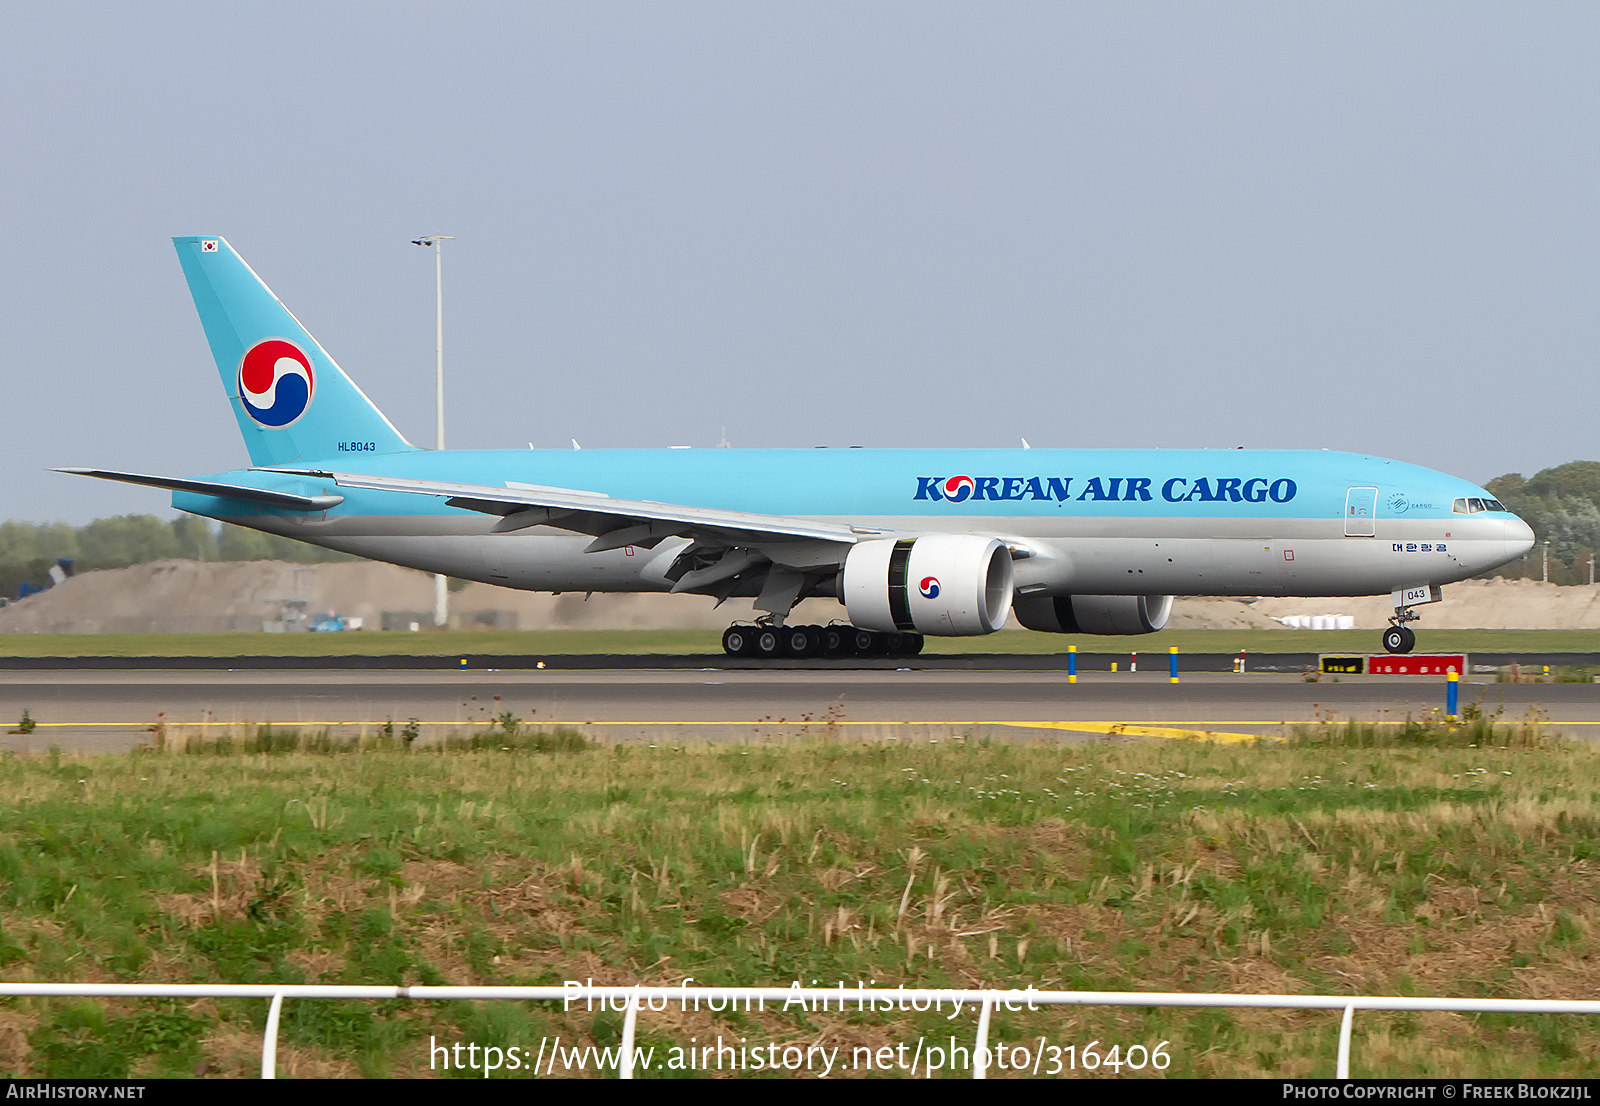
<point x="636" y="662"/>
<point x="108" y="711"/>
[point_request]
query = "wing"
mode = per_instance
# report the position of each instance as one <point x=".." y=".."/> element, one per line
<point x="721" y="544"/>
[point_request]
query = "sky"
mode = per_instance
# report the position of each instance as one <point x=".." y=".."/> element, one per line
<point x="1361" y="226"/>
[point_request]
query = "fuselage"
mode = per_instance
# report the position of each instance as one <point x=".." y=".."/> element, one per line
<point x="1105" y="522"/>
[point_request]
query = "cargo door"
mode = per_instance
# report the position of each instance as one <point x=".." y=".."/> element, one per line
<point x="1360" y="511"/>
<point x="1247" y="566"/>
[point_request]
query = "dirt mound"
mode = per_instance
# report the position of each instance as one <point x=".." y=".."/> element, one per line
<point x="1217" y="614"/>
<point x="174" y="597"/>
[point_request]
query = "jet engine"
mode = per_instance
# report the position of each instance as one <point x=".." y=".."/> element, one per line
<point x="1094" y="614"/>
<point x="942" y="584"/>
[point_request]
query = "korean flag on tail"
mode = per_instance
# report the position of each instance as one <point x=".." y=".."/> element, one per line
<point x="208" y="245"/>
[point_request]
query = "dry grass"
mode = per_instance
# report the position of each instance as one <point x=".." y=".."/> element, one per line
<point x="1310" y="868"/>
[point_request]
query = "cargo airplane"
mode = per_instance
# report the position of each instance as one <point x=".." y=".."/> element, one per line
<point x="910" y="542"/>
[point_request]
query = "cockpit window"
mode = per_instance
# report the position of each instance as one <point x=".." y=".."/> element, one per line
<point x="1459" y="507"/>
<point x="1493" y="505"/>
<point x="1475" y="505"/>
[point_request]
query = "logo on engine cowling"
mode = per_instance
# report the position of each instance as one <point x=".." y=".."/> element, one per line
<point x="929" y="587"/>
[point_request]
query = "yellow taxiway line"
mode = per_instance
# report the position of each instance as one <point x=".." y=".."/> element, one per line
<point x="1183" y="730"/>
<point x="1193" y="732"/>
<point x="1058" y="724"/>
<point x="1133" y="729"/>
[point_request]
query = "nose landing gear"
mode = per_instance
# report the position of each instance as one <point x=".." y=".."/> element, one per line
<point x="1399" y="638"/>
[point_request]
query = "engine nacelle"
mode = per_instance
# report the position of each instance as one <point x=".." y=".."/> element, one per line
<point x="1094" y="614"/>
<point x="946" y="585"/>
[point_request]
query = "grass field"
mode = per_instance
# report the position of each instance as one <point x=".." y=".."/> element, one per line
<point x="560" y="642"/>
<point x="1348" y="861"/>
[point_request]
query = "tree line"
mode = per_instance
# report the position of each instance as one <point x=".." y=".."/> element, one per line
<point x="1562" y="504"/>
<point x="28" y="550"/>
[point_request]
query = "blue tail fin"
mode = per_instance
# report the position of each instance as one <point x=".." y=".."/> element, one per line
<point x="292" y="400"/>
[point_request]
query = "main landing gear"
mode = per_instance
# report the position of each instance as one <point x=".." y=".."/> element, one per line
<point x="1399" y="638"/>
<point x="770" y="642"/>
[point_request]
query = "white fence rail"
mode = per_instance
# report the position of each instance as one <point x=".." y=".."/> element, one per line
<point x="630" y="1000"/>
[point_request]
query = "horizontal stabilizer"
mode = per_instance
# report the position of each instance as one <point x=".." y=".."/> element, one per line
<point x="222" y="491"/>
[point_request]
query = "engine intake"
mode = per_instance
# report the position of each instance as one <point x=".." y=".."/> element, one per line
<point x="1094" y="614"/>
<point x="948" y="585"/>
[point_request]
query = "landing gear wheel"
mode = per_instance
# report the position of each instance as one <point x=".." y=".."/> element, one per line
<point x="867" y="643"/>
<point x="801" y="641"/>
<point x="739" y="641"/>
<point x="837" y="641"/>
<point x="911" y="644"/>
<point x="769" y="643"/>
<point x="1399" y="639"/>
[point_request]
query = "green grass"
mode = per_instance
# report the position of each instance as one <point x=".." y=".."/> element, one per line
<point x="680" y="642"/>
<point x="1476" y="729"/>
<point x="1338" y="863"/>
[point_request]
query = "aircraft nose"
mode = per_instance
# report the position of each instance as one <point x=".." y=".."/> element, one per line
<point x="1518" y="537"/>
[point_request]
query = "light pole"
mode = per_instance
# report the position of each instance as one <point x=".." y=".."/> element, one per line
<point x="1544" y="564"/>
<point x="441" y="591"/>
